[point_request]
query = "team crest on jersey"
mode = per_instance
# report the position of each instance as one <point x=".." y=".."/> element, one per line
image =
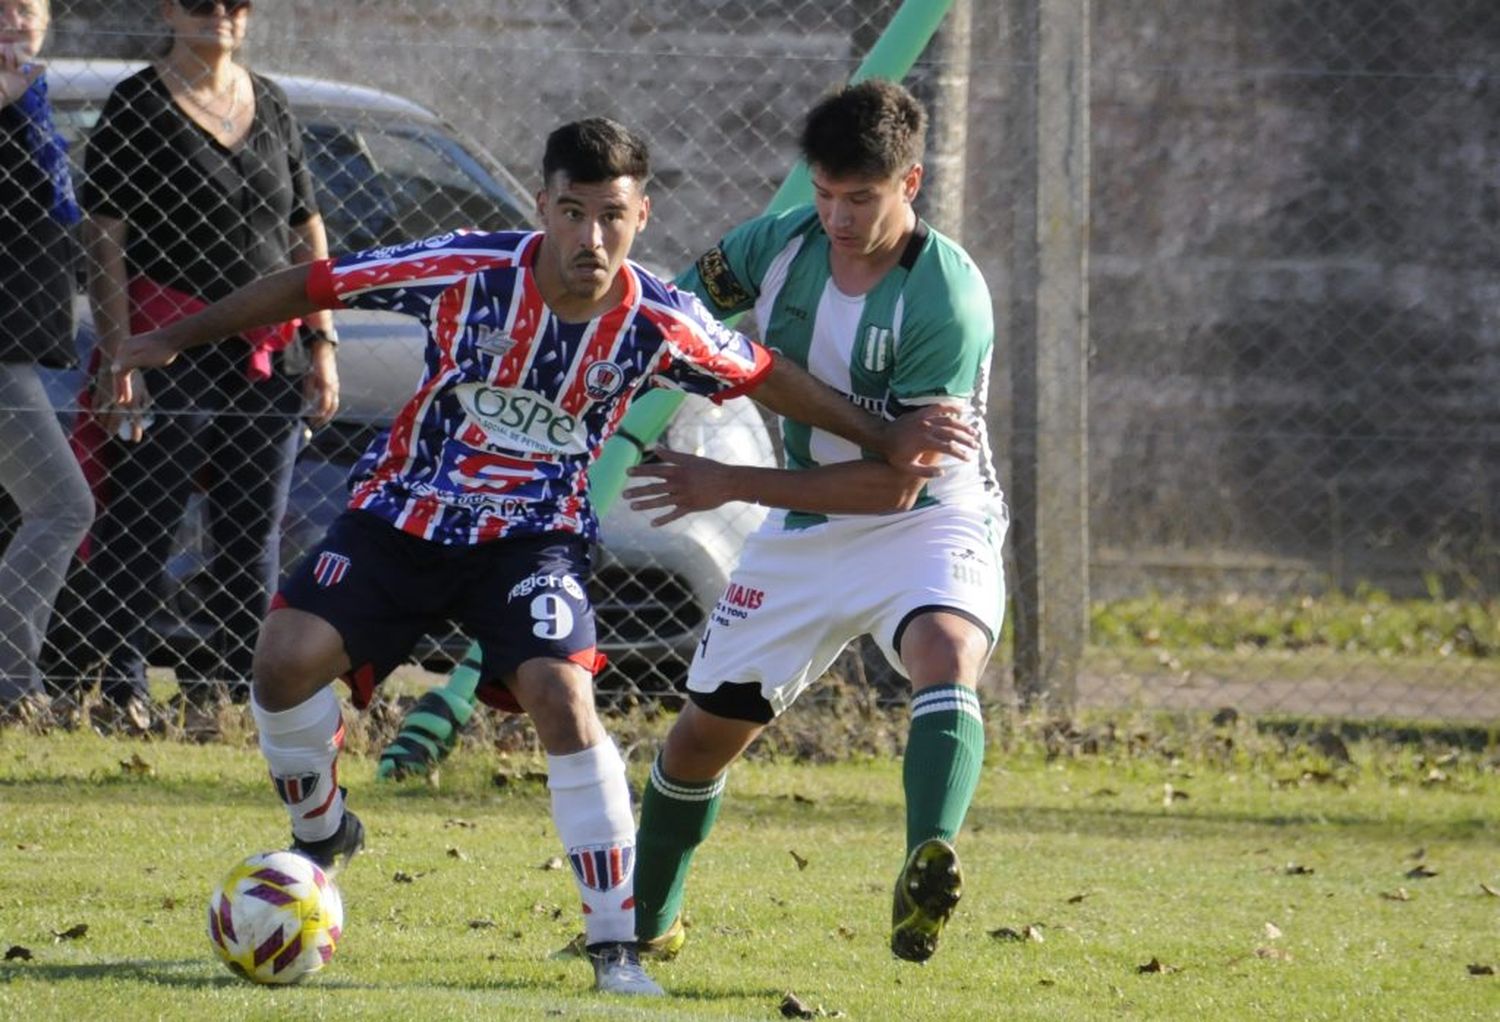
<point x="330" y="569"/>
<point x="603" y="380"/>
<point x="876" y="355"/>
<point x="495" y="342"/>
<point x="602" y="867"/>
<point x="295" y="788"/>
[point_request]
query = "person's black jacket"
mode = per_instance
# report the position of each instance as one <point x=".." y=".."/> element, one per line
<point x="38" y="258"/>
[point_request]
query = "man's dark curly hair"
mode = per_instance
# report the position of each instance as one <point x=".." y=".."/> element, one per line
<point x="875" y="129"/>
<point x="596" y="149"/>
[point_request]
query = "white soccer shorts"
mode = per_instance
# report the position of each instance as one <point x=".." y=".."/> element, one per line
<point x="797" y="598"/>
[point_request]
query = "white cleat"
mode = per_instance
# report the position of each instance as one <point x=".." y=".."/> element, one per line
<point x="617" y="970"/>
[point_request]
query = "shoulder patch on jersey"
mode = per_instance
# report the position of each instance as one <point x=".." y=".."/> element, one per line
<point x="719" y="280"/>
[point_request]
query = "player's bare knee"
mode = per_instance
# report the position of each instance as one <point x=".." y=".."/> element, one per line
<point x="701" y="746"/>
<point x="944" y="649"/>
<point x="559" y="698"/>
<point x="295" y="655"/>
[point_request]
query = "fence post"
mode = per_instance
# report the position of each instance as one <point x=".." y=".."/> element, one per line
<point x="1049" y="335"/>
<point x="944" y="86"/>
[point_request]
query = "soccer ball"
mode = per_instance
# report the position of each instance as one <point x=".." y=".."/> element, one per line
<point x="276" y="918"/>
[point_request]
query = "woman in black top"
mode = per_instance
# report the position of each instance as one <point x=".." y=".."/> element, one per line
<point x="37" y="469"/>
<point x="195" y="186"/>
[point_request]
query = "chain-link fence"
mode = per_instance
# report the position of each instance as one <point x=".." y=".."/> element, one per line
<point x="1292" y="350"/>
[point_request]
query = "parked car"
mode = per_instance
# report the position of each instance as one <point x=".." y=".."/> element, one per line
<point x="387" y="170"/>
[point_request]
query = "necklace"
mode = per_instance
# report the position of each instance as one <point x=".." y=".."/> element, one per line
<point x="225" y="119"/>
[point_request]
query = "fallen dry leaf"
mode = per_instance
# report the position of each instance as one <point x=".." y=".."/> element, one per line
<point x="792" y="1007"/>
<point x="17" y="953"/>
<point x="1156" y="965"/>
<point x="1032" y="933"/>
<point x="1399" y="894"/>
<point x="799" y="860"/>
<point x="26" y="846"/>
<point x="846" y="933"/>
<point x="1274" y="954"/>
<point x="553" y="863"/>
<point x="454" y="853"/>
<point x="1487" y="889"/>
<point x="1273" y="932"/>
<point x="456" y="822"/>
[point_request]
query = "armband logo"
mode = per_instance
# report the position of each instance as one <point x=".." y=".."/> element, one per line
<point x="719" y="280"/>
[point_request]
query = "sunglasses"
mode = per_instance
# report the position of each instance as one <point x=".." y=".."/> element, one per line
<point x="204" y="8"/>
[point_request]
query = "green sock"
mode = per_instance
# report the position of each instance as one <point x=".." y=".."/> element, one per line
<point x="675" y="818"/>
<point x="944" y="753"/>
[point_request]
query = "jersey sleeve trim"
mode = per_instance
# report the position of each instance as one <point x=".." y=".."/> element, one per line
<point x="320" y="287"/>
<point x="764" y="361"/>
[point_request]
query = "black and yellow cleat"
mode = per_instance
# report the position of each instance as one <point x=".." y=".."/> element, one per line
<point x="927" y="891"/>
<point x="664" y="946"/>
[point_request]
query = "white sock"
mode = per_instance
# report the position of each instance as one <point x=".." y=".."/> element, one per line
<point x="301" y="746"/>
<point x="591" y="809"/>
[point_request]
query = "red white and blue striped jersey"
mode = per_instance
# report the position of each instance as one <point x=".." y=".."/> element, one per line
<point x="514" y="404"/>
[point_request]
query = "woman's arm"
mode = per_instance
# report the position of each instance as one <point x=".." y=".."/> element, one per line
<point x="320" y="387"/>
<point x="104" y="247"/>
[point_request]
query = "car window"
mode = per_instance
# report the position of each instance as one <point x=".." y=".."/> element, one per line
<point x="380" y="184"/>
<point x="74" y="121"/>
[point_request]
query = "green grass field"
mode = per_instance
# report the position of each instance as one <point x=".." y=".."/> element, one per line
<point x="1269" y="882"/>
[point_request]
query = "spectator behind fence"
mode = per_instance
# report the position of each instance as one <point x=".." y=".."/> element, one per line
<point x="196" y="185"/>
<point x="37" y="208"/>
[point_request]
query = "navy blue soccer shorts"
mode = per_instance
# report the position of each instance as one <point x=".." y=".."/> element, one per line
<point x="383" y="589"/>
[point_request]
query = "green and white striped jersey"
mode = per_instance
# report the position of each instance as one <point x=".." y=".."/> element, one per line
<point x="924" y="333"/>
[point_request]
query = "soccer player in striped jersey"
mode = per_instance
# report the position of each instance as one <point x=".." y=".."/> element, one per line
<point x="473" y="506"/>
<point x="857" y="289"/>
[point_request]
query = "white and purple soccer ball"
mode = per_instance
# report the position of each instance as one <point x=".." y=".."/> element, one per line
<point x="276" y="918"/>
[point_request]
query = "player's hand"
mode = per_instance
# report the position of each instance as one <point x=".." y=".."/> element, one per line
<point x="916" y="439"/>
<point x="320" y="386"/>
<point x="684" y="484"/>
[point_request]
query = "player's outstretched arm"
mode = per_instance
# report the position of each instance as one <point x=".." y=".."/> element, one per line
<point x="908" y="443"/>
<point x="273" y="299"/>
<point x="683" y="484"/>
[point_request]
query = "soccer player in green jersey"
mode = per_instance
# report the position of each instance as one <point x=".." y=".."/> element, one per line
<point x="872" y="301"/>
